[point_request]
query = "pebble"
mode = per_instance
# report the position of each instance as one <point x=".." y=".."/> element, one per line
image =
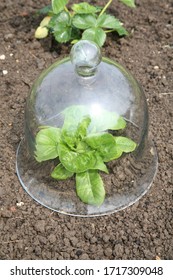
<point x="52" y="238"/>
<point x="79" y="253"/>
<point x="6" y="214"/>
<point x="8" y="37"/>
<point x="118" y="250"/>
<point x="2" y="56"/>
<point x="40" y="226"/>
<point x="4" y="72"/>
<point x="106" y="238"/>
<point x="108" y="252"/>
<point x="84" y="257"/>
<point x="42" y="239"/>
<point x="37" y="251"/>
<point x="74" y="241"/>
<point x="40" y="63"/>
<point x="93" y="240"/>
<point x="19" y="204"/>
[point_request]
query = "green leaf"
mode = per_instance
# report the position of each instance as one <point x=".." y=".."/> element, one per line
<point x="73" y="115"/>
<point x="104" y="143"/>
<point x="130" y="3"/>
<point x="82" y="127"/>
<point x="63" y="35"/>
<point x="99" y="165"/>
<point x="121" y="31"/>
<point x="61" y="173"/>
<point x="83" y="147"/>
<point x="96" y="35"/>
<point x="125" y="144"/>
<point x="46" y="143"/>
<point x="60" y="25"/>
<point x="89" y="187"/>
<point x="84" y="21"/>
<point x="74" y="41"/>
<point x="62" y="19"/>
<point x="110" y="22"/>
<point x="75" y="34"/>
<point x="45" y="10"/>
<point x="74" y="161"/>
<point x="58" y="5"/>
<point x="101" y="119"/>
<point x="68" y="137"/>
<point x="104" y="120"/>
<point x="84" y="8"/>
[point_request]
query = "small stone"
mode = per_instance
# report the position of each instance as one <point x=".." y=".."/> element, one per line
<point x="2" y="56"/>
<point x="108" y="252"/>
<point x="8" y="37"/>
<point x="122" y="176"/>
<point x="5" y="72"/>
<point x="40" y="63"/>
<point x="156" y="67"/>
<point x="79" y="252"/>
<point x="14" y="236"/>
<point x="6" y="214"/>
<point x="74" y="241"/>
<point x="11" y="54"/>
<point x="37" y="251"/>
<point x="106" y="238"/>
<point x="42" y="239"/>
<point x="88" y="235"/>
<point x="93" y="240"/>
<point x="84" y="257"/>
<point x="36" y="45"/>
<point x="52" y="238"/>
<point x="13" y="209"/>
<point x="19" y="204"/>
<point x="40" y="226"/>
<point x="118" y="250"/>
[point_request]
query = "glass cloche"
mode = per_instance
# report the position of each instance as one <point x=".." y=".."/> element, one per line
<point x="86" y="149"/>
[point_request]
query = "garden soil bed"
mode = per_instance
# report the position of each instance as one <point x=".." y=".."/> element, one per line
<point x="142" y="231"/>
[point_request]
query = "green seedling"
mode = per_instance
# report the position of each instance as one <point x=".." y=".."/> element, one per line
<point x="83" y="146"/>
<point x="80" y="21"/>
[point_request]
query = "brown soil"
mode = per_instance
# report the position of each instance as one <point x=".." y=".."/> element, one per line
<point x="142" y="231"/>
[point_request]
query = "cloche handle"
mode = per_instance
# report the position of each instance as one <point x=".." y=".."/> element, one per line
<point x="85" y="56"/>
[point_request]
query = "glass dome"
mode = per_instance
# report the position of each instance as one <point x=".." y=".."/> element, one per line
<point x="76" y="108"/>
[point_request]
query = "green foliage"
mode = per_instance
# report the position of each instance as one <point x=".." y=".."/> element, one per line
<point x="47" y="140"/>
<point x="89" y="187"/>
<point x="85" y="8"/>
<point x="83" y="145"/>
<point x="58" y="5"/>
<point x="130" y="3"/>
<point x="61" y="173"/>
<point x="82" y="21"/>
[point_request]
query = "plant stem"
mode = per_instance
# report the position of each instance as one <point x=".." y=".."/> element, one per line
<point x="108" y="31"/>
<point x="66" y="9"/>
<point x="105" y="7"/>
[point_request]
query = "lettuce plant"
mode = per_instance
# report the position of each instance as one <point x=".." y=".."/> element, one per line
<point x="80" y="21"/>
<point x="83" y="146"/>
